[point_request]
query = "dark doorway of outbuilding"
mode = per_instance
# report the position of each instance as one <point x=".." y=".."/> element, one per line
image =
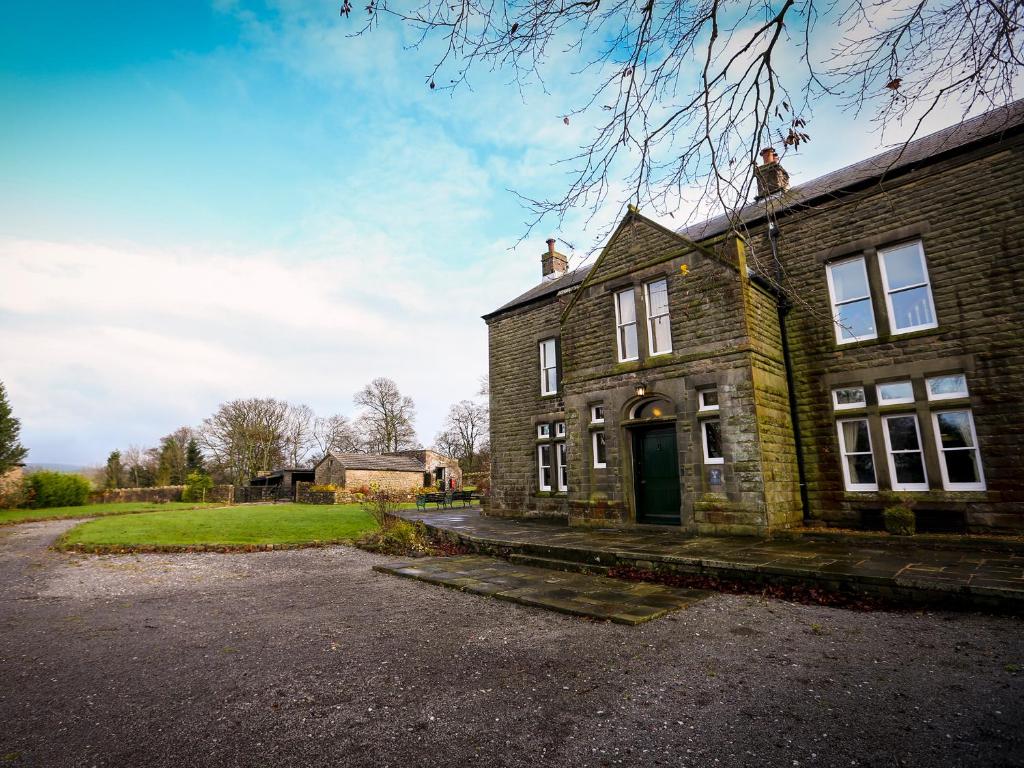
<point x="656" y="475"/>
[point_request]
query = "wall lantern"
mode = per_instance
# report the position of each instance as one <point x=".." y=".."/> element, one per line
<point x="641" y="389"/>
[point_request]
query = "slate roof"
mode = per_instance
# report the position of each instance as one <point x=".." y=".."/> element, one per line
<point x="548" y="288"/>
<point x="892" y="162"/>
<point x="377" y="462"/>
<point x="889" y="163"/>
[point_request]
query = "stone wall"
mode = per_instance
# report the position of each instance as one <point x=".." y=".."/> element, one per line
<point x="726" y="331"/>
<point x="166" y="493"/>
<point x="115" y="495"/>
<point x="968" y="211"/>
<point x="11" y="478"/>
<point x="306" y="495"/>
<point x="330" y="471"/>
<point x="516" y="404"/>
<point x="387" y="480"/>
<point x="717" y="330"/>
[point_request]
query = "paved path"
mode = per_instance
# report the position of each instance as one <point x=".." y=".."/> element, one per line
<point x="982" y="575"/>
<point x="578" y="594"/>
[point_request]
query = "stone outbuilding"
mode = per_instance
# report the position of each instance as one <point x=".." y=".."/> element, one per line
<point x="11" y="479"/>
<point x="837" y="347"/>
<point x="394" y="471"/>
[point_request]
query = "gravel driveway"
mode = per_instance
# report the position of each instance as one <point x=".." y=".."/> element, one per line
<point x="309" y="658"/>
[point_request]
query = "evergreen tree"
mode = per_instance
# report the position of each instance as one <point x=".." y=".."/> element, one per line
<point x="193" y="457"/>
<point x="115" y="472"/>
<point x="12" y="452"/>
<point x="170" y="464"/>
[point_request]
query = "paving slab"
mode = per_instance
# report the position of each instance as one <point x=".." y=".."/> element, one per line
<point x="578" y="594"/>
<point x="973" y="574"/>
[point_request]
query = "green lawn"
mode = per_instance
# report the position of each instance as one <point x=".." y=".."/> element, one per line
<point x="91" y="510"/>
<point x="241" y="526"/>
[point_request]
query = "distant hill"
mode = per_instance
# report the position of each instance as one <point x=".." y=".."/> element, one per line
<point x="55" y="467"/>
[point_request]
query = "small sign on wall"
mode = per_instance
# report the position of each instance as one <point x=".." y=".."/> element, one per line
<point x="714" y="476"/>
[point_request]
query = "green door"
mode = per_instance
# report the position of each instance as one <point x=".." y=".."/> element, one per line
<point x="656" y="475"/>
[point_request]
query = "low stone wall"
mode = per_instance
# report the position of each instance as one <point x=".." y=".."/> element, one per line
<point x="114" y="495"/>
<point x="305" y="495"/>
<point x="222" y="493"/>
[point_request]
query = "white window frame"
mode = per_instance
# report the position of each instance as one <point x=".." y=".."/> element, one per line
<point x="894" y="484"/>
<point x="704" y="441"/>
<point x="836" y="305"/>
<point x="541" y="465"/>
<point x="978" y="486"/>
<point x="701" y="405"/>
<point x="559" y="429"/>
<point x="562" y="466"/>
<point x="593" y="442"/>
<point x="547" y="365"/>
<point x="543" y="431"/>
<point x="619" y="325"/>
<point x="888" y="292"/>
<point x="843" y="455"/>
<point x="651" y="318"/>
<point x="946" y="396"/>
<point x="896" y="401"/>
<point x="594" y="418"/>
<point x="837" y="406"/>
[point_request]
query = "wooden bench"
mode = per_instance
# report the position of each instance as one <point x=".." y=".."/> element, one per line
<point x="447" y="499"/>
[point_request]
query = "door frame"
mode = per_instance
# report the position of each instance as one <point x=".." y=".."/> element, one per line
<point x="636" y="430"/>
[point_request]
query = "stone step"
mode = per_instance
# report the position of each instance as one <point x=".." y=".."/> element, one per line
<point x="575" y="594"/>
<point x="581" y="555"/>
<point x="552" y="564"/>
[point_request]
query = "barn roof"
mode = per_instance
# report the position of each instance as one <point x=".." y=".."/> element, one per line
<point x="376" y="462"/>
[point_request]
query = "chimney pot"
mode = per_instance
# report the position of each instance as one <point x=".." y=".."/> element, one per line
<point x="771" y="177"/>
<point x="553" y="264"/>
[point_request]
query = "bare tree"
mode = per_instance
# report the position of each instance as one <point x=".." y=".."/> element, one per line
<point x="464" y="433"/>
<point x="298" y="434"/>
<point x="335" y="433"/>
<point x="685" y="92"/>
<point x="386" y="423"/>
<point x="245" y="436"/>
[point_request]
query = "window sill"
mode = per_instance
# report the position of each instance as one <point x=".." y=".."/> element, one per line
<point x="886" y="338"/>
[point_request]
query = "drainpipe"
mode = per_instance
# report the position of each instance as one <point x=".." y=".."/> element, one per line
<point x="784" y="305"/>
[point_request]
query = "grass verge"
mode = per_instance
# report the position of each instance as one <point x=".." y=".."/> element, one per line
<point x="12" y="516"/>
<point x="241" y="528"/>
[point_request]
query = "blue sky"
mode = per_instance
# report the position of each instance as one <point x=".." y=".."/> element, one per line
<point x="203" y="201"/>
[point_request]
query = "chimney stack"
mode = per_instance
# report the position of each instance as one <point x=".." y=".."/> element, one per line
<point x="771" y="177"/>
<point x="553" y="264"/>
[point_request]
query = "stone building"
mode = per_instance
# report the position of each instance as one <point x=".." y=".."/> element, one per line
<point x="856" y="337"/>
<point x="401" y="471"/>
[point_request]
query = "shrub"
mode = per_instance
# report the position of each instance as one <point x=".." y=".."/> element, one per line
<point x="56" y="489"/>
<point x="381" y="505"/>
<point x="899" y="520"/>
<point x="197" y="486"/>
<point x="399" y="538"/>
